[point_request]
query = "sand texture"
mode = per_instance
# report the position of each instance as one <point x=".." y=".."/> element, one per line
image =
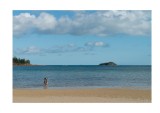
<point x="101" y="95"/>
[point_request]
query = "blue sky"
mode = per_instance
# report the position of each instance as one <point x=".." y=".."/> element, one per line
<point x="82" y="37"/>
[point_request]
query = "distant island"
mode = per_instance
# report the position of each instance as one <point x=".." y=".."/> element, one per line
<point x="19" y="61"/>
<point x="108" y="64"/>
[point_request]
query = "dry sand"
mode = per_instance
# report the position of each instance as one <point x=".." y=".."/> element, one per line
<point x="101" y="95"/>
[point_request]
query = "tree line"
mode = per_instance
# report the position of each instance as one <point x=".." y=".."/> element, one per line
<point x="18" y="61"/>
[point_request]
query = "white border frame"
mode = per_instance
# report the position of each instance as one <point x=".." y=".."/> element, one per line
<point x="7" y="6"/>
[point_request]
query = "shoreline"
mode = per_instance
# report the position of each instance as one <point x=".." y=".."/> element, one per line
<point x="80" y="88"/>
<point x="29" y="65"/>
<point x="88" y="95"/>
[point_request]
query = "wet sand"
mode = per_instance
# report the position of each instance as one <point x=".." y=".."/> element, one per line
<point x="100" y="95"/>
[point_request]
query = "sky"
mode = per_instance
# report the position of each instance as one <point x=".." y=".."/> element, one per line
<point x="61" y="37"/>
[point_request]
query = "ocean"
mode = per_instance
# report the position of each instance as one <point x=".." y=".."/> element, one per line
<point x="82" y="76"/>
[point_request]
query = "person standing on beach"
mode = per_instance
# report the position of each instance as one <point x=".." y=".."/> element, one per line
<point x="45" y="81"/>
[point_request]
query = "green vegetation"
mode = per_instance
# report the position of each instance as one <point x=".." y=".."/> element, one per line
<point x="18" y="61"/>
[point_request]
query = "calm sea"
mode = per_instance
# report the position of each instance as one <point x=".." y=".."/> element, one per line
<point x="82" y="76"/>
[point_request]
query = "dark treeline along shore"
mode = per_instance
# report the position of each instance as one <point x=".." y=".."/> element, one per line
<point x="19" y="61"/>
<point x="23" y="61"/>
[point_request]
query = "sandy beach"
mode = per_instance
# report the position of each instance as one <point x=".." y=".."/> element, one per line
<point x="101" y="95"/>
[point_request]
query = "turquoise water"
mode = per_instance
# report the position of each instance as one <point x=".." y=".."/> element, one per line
<point x="82" y="76"/>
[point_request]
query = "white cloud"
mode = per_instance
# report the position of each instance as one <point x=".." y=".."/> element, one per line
<point x="22" y="23"/>
<point x="87" y="47"/>
<point x="45" y="22"/>
<point x="28" y="50"/>
<point x="99" y="23"/>
<point x="55" y="49"/>
<point x="99" y="44"/>
<point x="27" y="23"/>
<point x="96" y="44"/>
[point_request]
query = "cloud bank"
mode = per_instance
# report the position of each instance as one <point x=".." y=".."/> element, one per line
<point x="69" y="48"/>
<point x="99" y="23"/>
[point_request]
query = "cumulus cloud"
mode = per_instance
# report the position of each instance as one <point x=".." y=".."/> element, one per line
<point x="26" y="23"/>
<point x="45" y="22"/>
<point x="99" y="23"/>
<point x="22" y="23"/>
